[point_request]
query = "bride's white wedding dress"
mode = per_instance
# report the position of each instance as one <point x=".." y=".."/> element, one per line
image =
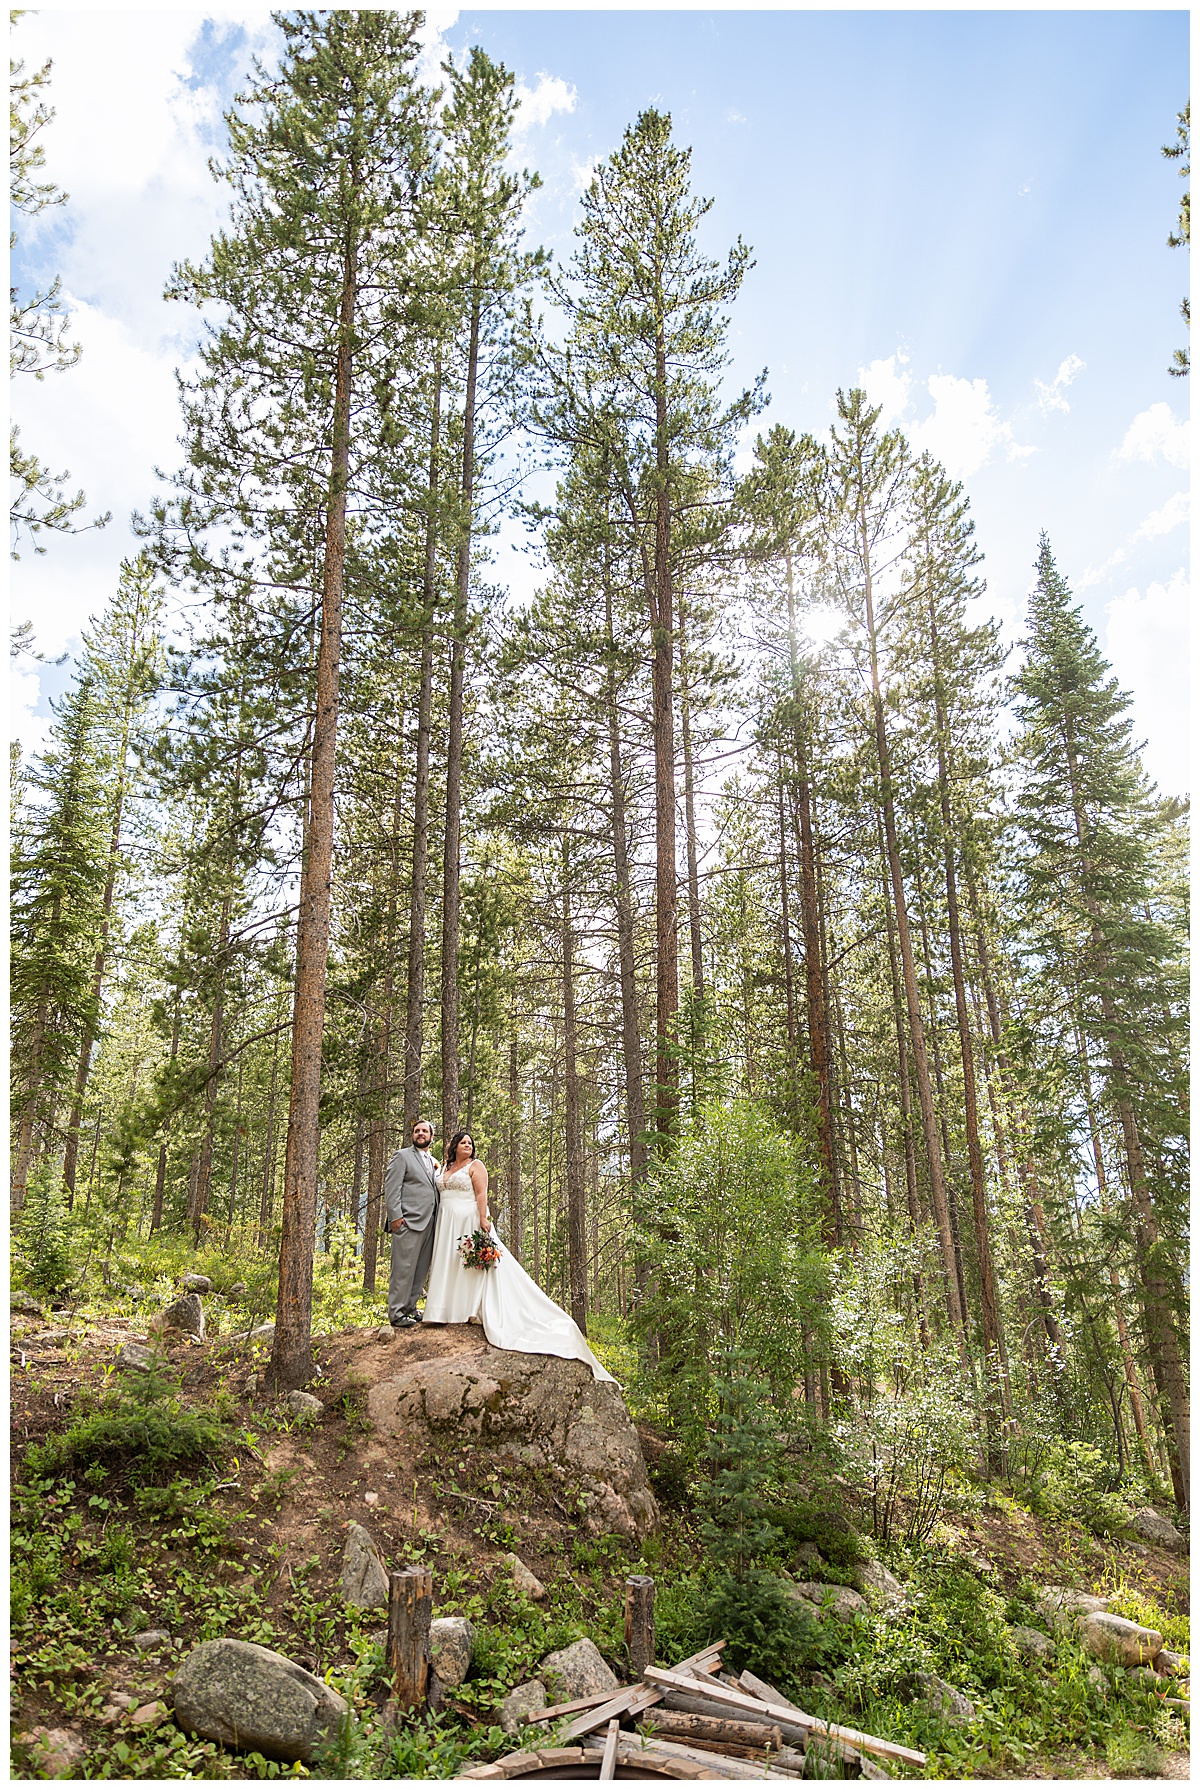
<point x="514" y="1311"/>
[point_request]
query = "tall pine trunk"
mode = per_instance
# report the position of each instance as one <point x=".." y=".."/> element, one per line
<point x="576" y="1194"/>
<point x="414" y="1026"/>
<point x="291" y="1356"/>
<point x="631" y="1044"/>
<point x="666" y="930"/>
<point x="920" y="1059"/>
<point x="451" y="867"/>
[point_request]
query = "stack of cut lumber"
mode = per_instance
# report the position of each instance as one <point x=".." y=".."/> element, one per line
<point x="689" y="1722"/>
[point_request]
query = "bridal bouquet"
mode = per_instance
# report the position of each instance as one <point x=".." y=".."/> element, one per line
<point x="479" y="1250"/>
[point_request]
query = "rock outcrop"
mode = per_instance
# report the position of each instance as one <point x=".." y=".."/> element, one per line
<point x="254" y="1701"/>
<point x="577" y="1671"/>
<point x="1155" y="1528"/>
<point x="542" y="1409"/>
<point x="364" y="1574"/>
<point x="1117" y="1641"/>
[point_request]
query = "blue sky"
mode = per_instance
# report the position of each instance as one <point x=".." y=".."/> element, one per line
<point x="967" y="212"/>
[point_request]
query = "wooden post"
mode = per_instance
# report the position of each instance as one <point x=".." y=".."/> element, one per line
<point x="639" y="1622"/>
<point x="410" y="1608"/>
<point x="608" y="1765"/>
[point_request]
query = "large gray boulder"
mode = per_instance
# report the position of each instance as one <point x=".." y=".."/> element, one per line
<point x="1063" y="1607"/>
<point x="526" y="1582"/>
<point x="936" y="1695"/>
<point x="523" y="1701"/>
<point x="833" y="1600"/>
<point x="254" y="1701"/>
<point x="186" y="1315"/>
<point x="577" y="1671"/>
<point x="1117" y="1641"/>
<point x="873" y="1577"/>
<point x="1159" y="1530"/>
<point x="364" y="1575"/>
<point x="544" y="1409"/>
<point x="1031" y="1643"/>
<point x="197" y="1283"/>
<point x="451" y="1645"/>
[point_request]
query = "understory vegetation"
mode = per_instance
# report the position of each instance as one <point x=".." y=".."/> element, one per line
<point x="147" y="1500"/>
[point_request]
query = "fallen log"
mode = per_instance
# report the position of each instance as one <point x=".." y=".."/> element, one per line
<point x="794" y="1733"/>
<point x="631" y="1702"/>
<point x="723" y="1767"/>
<point x="712" y="1727"/>
<point x="758" y="1687"/>
<point x="741" y="1701"/>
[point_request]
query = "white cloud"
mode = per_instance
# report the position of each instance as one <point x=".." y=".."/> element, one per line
<point x="964" y="430"/>
<point x="1052" y="396"/>
<point x="1147" y="641"/>
<point x="1173" y="514"/>
<point x="538" y="104"/>
<point x="1157" y="431"/>
<point x="888" y="385"/>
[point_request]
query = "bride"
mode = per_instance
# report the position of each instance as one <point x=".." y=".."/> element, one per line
<point x="514" y="1311"/>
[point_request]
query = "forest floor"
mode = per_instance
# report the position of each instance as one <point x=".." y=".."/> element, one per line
<point x="251" y="1547"/>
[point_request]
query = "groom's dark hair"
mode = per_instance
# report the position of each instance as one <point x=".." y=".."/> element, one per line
<point x="425" y="1122"/>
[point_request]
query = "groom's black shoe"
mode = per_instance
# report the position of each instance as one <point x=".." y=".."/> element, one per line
<point x="405" y="1323"/>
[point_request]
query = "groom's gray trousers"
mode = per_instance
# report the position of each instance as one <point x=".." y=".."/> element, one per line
<point x="410" y="1195"/>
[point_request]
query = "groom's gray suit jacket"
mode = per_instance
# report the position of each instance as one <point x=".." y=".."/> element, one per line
<point x="408" y="1190"/>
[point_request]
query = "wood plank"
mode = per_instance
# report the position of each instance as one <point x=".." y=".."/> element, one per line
<point x="716" y="1762"/>
<point x="556" y="1710"/>
<point x="638" y="1696"/>
<point x="732" y="1699"/>
<point x="758" y="1687"/>
<point x="608" y="1764"/>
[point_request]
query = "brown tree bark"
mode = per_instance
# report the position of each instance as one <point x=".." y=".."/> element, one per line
<point x="920" y="1059"/>
<point x="693" y="860"/>
<point x="291" y="1363"/>
<point x="451" y="867"/>
<point x="414" y="1024"/>
<point x="989" y="1305"/>
<point x="516" y="1225"/>
<point x="631" y="1044"/>
<point x="666" y="929"/>
<point x="576" y="1196"/>
<point x="906" y="1112"/>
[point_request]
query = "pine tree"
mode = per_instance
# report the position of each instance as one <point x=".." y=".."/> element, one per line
<point x="58" y="878"/>
<point x="281" y="423"/>
<point x="38" y="321"/>
<point x="638" y="382"/>
<point x="1181" y="236"/>
<point x="1085" y="812"/>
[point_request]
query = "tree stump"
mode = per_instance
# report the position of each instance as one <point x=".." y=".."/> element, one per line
<point x="639" y="1622"/>
<point x="410" y="1610"/>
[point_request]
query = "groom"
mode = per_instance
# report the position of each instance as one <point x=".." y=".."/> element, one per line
<point x="410" y="1198"/>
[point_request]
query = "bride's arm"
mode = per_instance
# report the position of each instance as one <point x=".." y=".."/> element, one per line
<point x="479" y="1182"/>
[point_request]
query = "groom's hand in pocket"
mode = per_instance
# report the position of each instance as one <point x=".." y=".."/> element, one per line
<point x="397" y="1224"/>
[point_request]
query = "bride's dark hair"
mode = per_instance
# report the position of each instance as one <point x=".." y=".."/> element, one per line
<point x="457" y="1139"/>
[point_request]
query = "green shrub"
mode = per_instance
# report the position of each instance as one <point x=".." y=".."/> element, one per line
<point x="44" y="1235"/>
<point x="141" y="1431"/>
<point x="1132" y="1754"/>
<point x="764" y="1629"/>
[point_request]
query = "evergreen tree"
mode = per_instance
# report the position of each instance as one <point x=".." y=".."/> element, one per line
<point x="56" y="916"/>
<point x="638" y="382"/>
<point x="282" y="421"/>
<point x="1181" y="236"/>
<point x="1085" y="811"/>
<point x="38" y="321"/>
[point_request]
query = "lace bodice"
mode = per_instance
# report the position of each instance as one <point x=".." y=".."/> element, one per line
<point x="457" y="1182"/>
